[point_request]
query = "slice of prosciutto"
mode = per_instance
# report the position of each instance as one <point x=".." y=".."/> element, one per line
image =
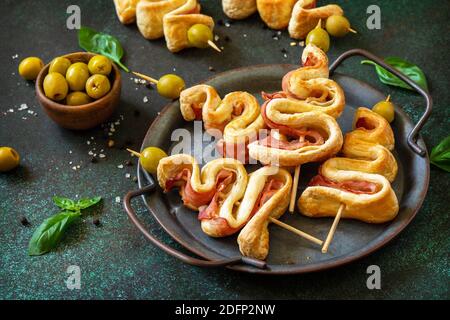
<point x="353" y="186"/>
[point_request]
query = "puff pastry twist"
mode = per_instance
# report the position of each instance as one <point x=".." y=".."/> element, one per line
<point x="268" y="193"/>
<point x="305" y="17"/>
<point x="305" y="111"/>
<point x="360" y="180"/>
<point x="237" y="117"/>
<point x="222" y="193"/>
<point x="169" y="18"/>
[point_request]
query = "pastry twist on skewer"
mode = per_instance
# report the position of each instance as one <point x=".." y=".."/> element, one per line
<point x="268" y="189"/>
<point x="237" y="116"/>
<point x="304" y="111"/>
<point x="305" y="17"/>
<point x="361" y="180"/>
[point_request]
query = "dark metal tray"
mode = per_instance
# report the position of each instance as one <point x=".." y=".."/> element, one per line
<point x="288" y="252"/>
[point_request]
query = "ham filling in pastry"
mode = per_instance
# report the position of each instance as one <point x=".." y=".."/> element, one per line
<point x="303" y="113"/>
<point x="236" y="119"/>
<point x="360" y="179"/>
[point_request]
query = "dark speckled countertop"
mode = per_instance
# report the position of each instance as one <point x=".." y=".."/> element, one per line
<point x="115" y="260"/>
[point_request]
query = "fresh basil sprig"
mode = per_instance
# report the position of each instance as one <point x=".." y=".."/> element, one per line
<point x="408" y="69"/>
<point x="49" y="233"/>
<point x="101" y="43"/>
<point x="440" y="155"/>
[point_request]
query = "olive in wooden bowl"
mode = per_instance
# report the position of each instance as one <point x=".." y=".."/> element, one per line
<point x="76" y="110"/>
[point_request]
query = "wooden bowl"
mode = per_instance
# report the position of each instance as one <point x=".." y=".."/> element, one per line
<point x="85" y="116"/>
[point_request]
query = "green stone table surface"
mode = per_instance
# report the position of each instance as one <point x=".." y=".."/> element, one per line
<point x="115" y="259"/>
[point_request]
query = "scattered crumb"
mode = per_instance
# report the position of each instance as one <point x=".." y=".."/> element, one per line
<point x="117" y="199"/>
<point x="302" y="43"/>
<point x="293" y="44"/>
<point x="145" y="99"/>
<point x="101" y="155"/>
<point x="127" y="176"/>
<point x="110" y="143"/>
<point x="120" y="166"/>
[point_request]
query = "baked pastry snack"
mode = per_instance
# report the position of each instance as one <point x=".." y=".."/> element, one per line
<point x="236" y="118"/>
<point x="276" y="13"/>
<point x="361" y="180"/>
<point x="305" y="17"/>
<point x="239" y="9"/>
<point x="304" y="111"/>
<point x="177" y="23"/>
<point x="150" y="14"/>
<point x="169" y="18"/>
<point x="267" y="195"/>
<point x="215" y="191"/>
<point x="126" y="10"/>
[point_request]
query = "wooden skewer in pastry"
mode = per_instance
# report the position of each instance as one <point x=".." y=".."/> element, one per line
<point x="294" y="189"/>
<point x="333" y="229"/>
<point x="296" y="231"/>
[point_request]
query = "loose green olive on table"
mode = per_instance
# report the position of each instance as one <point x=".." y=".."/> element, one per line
<point x="9" y="159"/>
<point x="149" y="158"/>
<point x="386" y="109"/>
<point x="319" y="37"/>
<point x="30" y="67"/>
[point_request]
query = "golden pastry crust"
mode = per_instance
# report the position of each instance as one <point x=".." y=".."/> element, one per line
<point x="305" y="17"/>
<point x="276" y="13"/>
<point x="177" y="22"/>
<point x="367" y="160"/>
<point x="321" y="122"/>
<point x="253" y="239"/>
<point x="227" y="218"/>
<point x="237" y="117"/>
<point x="126" y="10"/>
<point x="150" y="13"/>
<point x="308" y="101"/>
<point x="239" y="9"/>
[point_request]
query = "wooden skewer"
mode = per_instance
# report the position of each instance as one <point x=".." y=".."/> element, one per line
<point x="388" y="98"/>
<point x="296" y="231"/>
<point x="137" y="154"/>
<point x="352" y="30"/>
<point x="143" y="76"/>
<point x="333" y="229"/>
<point x="214" y="46"/>
<point x="294" y="189"/>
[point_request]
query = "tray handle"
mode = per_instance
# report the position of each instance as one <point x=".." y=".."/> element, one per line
<point x="412" y="136"/>
<point x="173" y="252"/>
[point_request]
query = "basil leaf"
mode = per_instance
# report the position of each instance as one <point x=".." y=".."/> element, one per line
<point x="49" y="233"/>
<point x="101" y="43"/>
<point x="440" y="155"/>
<point x="88" y="202"/>
<point x="65" y="203"/>
<point x="408" y="69"/>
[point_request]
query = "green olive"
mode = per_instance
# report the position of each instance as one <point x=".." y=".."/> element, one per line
<point x="170" y="86"/>
<point x="386" y="109"/>
<point x="30" y="67"/>
<point x="55" y="86"/>
<point x="100" y="65"/>
<point x="77" y="75"/>
<point x="97" y="86"/>
<point x="319" y="37"/>
<point x="9" y="159"/>
<point x="199" y="35"/>
<point x="77" y="98"/>
<point x="60" y="65"/>
<point x="337" y="26"/>
<point x="150" y="157"/>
